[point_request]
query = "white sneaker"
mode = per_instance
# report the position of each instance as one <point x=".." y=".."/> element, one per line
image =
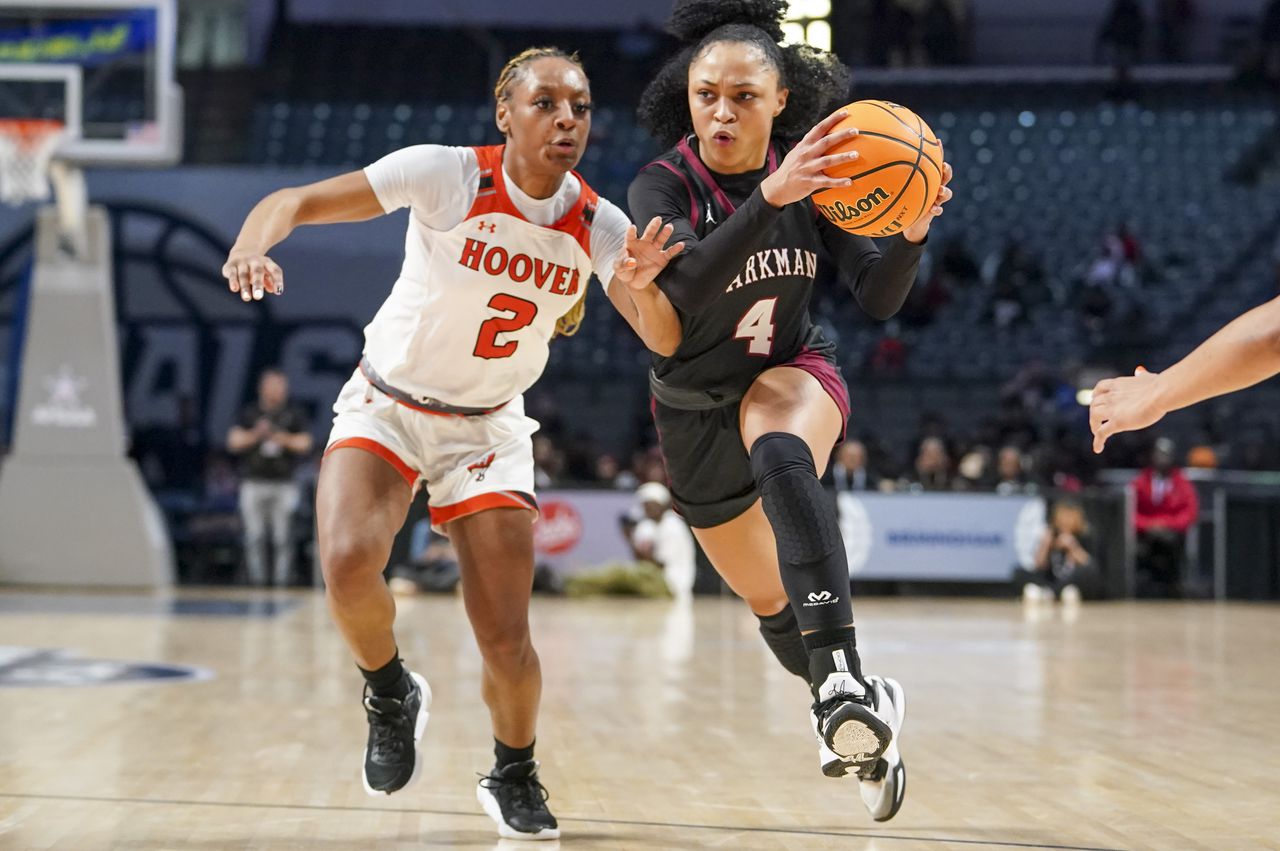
<point x="1033" y="593"/>
<point x="1071" y="596"/>
<point x="884" y="785"/>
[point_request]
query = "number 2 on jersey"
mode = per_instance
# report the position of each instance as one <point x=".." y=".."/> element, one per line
<point x="487" y="345"/>
<point x="757" y="326"/>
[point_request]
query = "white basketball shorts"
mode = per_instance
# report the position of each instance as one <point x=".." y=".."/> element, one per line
<point x="467" y="464"/>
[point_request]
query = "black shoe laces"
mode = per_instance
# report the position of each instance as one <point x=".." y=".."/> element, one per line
<point x="824" y="708"/>
<point x="390" y="726"/>
<point x="525" y="792"/>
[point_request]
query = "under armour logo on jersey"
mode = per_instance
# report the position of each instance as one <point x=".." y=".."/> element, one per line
<point x="482" y="224"/>
<point x="482" y="466"/>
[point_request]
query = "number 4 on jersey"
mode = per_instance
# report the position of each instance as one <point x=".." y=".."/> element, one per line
<point x="757" y="326"/>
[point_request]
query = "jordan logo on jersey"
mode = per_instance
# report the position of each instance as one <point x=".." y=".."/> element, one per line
<point x="776" y="263"/>
<point x="497" y="261"/>
<point x="482" y="466"/>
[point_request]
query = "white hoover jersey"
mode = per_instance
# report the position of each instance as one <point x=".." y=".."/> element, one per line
<point x="487" y="273"/>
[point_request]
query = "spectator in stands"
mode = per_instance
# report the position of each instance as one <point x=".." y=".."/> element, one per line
<point x="663" y="538"/>
<point x="890" y="354"/>
<point x="1011" y="473"/>
<point x="1165" y="507"/>
<point x="1175" y="20"/>
<point x="432" y="566"/>
<point x="973" y="473"/>
<point x="610" y="472"/>
<point x="1120" y="37"/>
<point x="271" y="439"/>
<point x="548" y="462"/>
<point x="932" y="470"/>
<point x="1064" y="565"/>
<point x="850" y="471"/>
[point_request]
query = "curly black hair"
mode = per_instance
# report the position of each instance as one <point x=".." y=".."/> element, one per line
<point x="817" y="80"/>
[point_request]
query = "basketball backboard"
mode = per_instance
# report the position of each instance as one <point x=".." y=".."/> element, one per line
<point x="129" y="105"/>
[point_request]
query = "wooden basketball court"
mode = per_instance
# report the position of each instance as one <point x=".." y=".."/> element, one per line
<point x="1128" y="726"/>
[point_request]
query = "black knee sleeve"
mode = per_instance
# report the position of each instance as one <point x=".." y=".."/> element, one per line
<point x="815" y="569"/>
<point x="782" y="634"/>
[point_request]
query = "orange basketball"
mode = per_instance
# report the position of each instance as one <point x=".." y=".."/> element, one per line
<point x="896" y="177"/>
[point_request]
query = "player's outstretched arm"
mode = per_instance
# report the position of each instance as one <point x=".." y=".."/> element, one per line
<point x="346" y="198"/>
<point x="636" y="296"/>
<point x="1242" y="354"/>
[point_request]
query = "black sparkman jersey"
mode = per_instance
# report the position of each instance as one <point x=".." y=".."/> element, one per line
<point x="762" y="317"/>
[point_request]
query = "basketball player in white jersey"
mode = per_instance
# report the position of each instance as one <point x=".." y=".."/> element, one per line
<point x="501" y="244"/>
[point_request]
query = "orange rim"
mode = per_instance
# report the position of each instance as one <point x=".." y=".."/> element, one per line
<point x="29" y="131"/>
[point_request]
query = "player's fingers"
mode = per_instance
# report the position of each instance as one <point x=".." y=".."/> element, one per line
<point x="947" y="173"/>
<point x="832" y="139"/>
<point x="1103" y="435"/>
<point x="665" y="234"/>
<point x="622" y="270"/>
<point x="673" y="250"/>
<point x="821" y="181"/>
<point x="833" y="160"/>
<point x="235" y="277"/>
<point x="651" y="229"/>
<point x="1141" y="370"/>
<point x="824" y="126"/>
<point x="277" y="276"/>
<point x="257" y="274"/>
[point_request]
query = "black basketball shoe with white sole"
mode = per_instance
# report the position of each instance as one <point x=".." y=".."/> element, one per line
<point x="391" y="758"/>
<point x="517" y="802"/>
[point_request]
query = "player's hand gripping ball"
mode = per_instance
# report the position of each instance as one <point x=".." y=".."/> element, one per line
<point x="896" y="177"/>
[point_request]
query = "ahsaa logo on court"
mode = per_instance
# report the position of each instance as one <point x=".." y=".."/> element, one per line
<point x="29" y="666"/>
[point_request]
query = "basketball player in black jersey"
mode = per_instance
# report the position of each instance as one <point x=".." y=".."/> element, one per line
<point x="751" y="403"/>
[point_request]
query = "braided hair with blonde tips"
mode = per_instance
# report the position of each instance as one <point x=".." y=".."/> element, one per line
<point x="567" y="325"/>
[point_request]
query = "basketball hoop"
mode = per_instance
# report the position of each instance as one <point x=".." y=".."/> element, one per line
<point x="27" y="146"/>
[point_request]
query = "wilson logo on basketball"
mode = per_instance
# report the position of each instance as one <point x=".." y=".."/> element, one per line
<point x="559" y="528"/>
<point x="842" y="212"/>
<point x="497" y="261"/>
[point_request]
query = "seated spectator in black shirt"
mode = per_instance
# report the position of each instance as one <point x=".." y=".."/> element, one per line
<point x="1011" y="472"/>
<point x="932" y="470"/>
<point x="271" y="439"/>
<point x="1064" y="565"/>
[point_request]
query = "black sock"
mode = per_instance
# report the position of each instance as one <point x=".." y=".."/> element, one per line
<point x="391" y="680"/>
<point x="824" y="656"/>
<point x="811" y="554"/>
<point x="782" y="634"/>
<point x="506" y="755"/>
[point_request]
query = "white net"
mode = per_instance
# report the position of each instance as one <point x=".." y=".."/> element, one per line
<point x="26" y="148"/>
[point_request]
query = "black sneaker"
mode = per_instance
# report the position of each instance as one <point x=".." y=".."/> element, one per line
<point x="391" y="759"/>
<point x="517" y="802"/>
